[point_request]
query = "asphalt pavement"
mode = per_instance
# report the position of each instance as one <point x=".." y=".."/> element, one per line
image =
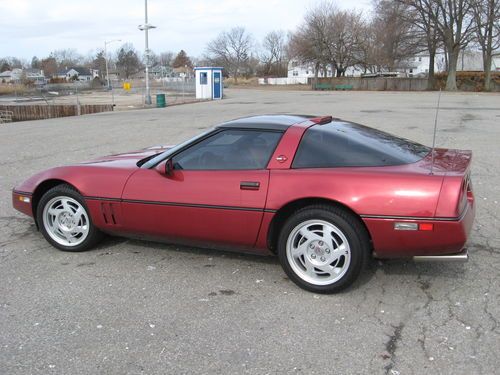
<point x="135" y="307"/>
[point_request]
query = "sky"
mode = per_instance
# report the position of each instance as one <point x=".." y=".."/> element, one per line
<point x="36" y="27"/>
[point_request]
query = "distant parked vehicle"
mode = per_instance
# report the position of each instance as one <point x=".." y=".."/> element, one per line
<point x="385" y="74"/>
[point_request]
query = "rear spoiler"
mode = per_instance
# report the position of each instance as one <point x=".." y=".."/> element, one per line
<point x="452" y="162"/>
<point x="321" y="120"/>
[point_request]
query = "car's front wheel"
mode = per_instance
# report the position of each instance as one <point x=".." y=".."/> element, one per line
<point x="323" y="248"/>
<point x="64" y="220"/>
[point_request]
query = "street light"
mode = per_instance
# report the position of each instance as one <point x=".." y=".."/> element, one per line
<point x="106" y="57"/>
<point x="145" y="28"/>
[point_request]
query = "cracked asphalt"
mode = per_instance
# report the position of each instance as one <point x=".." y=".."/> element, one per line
<point x="135" y="307"/>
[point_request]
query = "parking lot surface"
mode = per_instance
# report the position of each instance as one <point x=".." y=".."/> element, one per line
<point x="135" y="307"/>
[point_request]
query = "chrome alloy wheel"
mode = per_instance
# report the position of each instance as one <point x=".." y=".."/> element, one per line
<point x="318" y="252"/>
<point x="66" y="221"/>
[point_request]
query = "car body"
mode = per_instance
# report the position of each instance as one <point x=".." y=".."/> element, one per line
<point x="237" y="185"/>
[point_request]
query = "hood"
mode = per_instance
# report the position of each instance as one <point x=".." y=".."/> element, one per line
<point x="128" y="158"/>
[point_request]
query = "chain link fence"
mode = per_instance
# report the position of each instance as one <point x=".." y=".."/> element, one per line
<point x="125" y="94"/>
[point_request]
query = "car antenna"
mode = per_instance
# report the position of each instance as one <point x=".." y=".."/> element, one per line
<point x="435" y="128"/>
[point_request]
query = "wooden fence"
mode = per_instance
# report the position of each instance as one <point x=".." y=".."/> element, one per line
<point x="38" y="112"/>
<point x="5" y="116"/>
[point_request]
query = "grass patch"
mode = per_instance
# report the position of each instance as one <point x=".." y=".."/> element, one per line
<point x="12" y="89"/>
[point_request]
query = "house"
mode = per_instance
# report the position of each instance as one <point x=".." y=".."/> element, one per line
<point x="11" y="76"/>
<point x="301" y="71"/>
<point x="6" y="77"/>
<point x="297" y="70"/>
<point x="36" y="76"/>
<point x="113" y="74"/>
<point x="468" y="61"/>
<point x="184" y="72"/>
<point x="159" y="71"/>
<point x="77" y="73"/>
<point x="417" y="66"/>
<point x="495" y="64"/>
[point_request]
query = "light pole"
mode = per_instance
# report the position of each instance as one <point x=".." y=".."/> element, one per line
<point x="145" y="28"/>
<point x="106" y="58"/>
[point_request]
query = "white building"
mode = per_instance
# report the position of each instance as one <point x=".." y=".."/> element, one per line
<point x="209" y="82"/>
<point x="468" y="61"/>
<point x="78" y="73"/>
<point x="18" y="75"/>
<point x="416" y="66"/>
<point x="11" y="76"/>
<point x="297" y="70"/>
<point x="36" y="76"/>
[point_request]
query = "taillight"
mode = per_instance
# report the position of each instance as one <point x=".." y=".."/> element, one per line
<point x="465" y="194"/>
<point x="470" y="194"/>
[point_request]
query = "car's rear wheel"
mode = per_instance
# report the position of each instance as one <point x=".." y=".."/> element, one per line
<point x="323" y="248"/>
<point x="64" y="220"/>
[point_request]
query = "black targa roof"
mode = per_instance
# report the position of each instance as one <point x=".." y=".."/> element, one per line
<point x="266" y="122"/>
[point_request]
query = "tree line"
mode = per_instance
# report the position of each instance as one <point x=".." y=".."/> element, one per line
<point x="396" y="31"/>
<point x="328" y="38"/>
<point x="127" y="61"/>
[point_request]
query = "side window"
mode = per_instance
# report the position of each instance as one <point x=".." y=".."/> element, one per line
<point x="230" y="149"/>
<point x="203" y="78"/>
<point x="351" y="145"/>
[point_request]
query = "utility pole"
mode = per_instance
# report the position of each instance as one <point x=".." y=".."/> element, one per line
<point x="107" y="72"/>
<point x="145" y="28"/>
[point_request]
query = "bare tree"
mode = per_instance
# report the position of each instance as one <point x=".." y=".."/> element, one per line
<point x="395" y="36"/>
<point x="231" y="49"/>
<point x="66" y="58"/>
<point x="274" y="55"/>
<point x="367" y="58"/>
<point x="487" y="22"/>
<point x="49" y="66"/>
<point x="313" y="42"/>
<point x="337" y="39"/>
<point x="303" y="49"/>
<point x="346" y="33"/>
<point x="454" y="22"/>
<point x="9" y="63"/>
<point x="422" y="16"/>
<point x="166" y="58"/>
<point x="318" y="27"/>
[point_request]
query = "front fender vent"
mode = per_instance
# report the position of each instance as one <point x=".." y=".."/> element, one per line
<point x="109" y="213"/>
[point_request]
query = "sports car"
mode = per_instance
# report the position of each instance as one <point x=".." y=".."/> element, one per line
<point x="321" y="193"/>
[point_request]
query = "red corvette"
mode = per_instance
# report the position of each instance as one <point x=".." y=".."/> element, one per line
<point x="321" y="193"/>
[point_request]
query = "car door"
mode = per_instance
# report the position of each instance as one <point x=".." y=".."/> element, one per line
<point x="215" y="194"/>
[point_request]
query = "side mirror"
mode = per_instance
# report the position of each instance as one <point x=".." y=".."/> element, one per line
<point x="169" y="167"/>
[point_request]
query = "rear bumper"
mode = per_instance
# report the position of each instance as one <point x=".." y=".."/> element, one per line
<point x="448" y="236"/>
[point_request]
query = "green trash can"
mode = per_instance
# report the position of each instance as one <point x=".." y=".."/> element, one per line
<point x="161" y="102"/>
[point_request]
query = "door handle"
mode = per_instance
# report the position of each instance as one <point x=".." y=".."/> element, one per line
<point x="249" y="185"/>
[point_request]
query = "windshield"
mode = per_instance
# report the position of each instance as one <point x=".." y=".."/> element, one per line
<point x="150" y="162"/>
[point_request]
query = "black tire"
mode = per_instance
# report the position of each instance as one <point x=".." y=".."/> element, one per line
<point x="94" y="235"/>
<point x="352" y="229"/>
